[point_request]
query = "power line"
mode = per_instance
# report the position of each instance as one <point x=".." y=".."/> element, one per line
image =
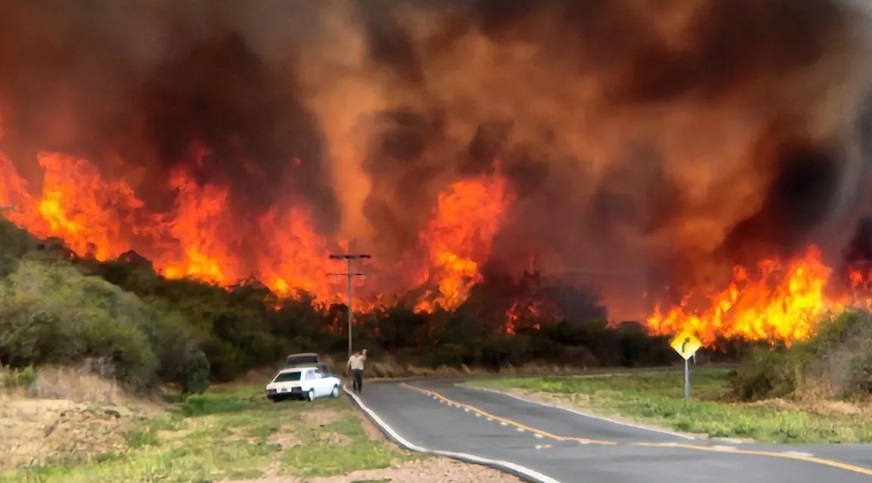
<point x="348" y="273"/>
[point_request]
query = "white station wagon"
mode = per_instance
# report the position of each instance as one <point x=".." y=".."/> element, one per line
<point x="308" y="383"/>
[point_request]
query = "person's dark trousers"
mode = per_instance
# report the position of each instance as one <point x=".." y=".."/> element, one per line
<point x="357" y="376"/>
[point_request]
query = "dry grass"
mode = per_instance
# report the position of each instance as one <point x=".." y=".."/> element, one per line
<point x="74" y="427"/>
<point x="65" y="416"/>
<point x="81" y="386"/>
<point x="229" y="433"/>
<point x="389" y="368"/>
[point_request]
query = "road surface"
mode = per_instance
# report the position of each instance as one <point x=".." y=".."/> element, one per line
<point x="543" y="443"/>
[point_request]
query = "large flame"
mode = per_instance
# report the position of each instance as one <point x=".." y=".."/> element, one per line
<point x="200" y="238"/>
<point x="459" y="238"/>
<point x="775" y="303"/>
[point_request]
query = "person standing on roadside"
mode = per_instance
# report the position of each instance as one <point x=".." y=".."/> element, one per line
<point x="355" y="363"/>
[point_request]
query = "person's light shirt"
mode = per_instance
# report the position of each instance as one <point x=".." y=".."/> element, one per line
<point x="355" y="362"/>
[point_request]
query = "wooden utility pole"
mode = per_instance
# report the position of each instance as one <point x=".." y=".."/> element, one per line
<point x="348" y="273"/>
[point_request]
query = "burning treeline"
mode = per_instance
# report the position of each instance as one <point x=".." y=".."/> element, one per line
<point x="672" y="146"/>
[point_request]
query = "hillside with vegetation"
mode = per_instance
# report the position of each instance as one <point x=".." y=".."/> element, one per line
<point x="127" y="322"/>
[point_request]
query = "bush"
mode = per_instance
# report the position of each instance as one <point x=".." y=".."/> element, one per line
<point x="451" y="355"/>
<point x="146" y="329"/>
<point x="836" y="362"/>
<point x="23" y="377"/>
<point x="579" y="356"/>
<point x="195" y="372"/>
<point x="83" y="317"/>
<point x="765" y="373"/>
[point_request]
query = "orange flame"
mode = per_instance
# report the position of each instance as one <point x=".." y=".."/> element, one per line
<point x="200" y="237"/>
<point x="199" y="214"/>
<point x="296" y="257"/>
<point x="197" y="239"/>
<point x="772" y="306"/>
<point x="518" y="313"/>
<point x="459" y="238"/>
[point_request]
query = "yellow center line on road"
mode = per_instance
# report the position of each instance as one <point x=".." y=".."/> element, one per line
<point x="772" y="454"/>
<point x="729" y="450"/>
<point x="509" y="422"/>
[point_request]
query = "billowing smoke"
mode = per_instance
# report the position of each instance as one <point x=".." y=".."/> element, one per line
<point x="654" y="140"/>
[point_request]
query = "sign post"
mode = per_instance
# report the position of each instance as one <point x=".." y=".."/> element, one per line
<point x="686" y="344"/>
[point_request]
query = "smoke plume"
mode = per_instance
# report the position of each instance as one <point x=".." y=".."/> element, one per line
<point x="658" y="141"/>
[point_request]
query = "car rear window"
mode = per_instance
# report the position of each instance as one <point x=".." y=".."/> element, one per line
<point x="288" y="376"/>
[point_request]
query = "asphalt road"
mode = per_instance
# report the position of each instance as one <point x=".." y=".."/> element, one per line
<point x="548" y="444"/>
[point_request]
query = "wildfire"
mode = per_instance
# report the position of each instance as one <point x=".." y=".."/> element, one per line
<point x="78" y="207"/>
<point x="295" y="257"/>
<point x="773" y="304"/>
<point x="459" y="238"/>
<point x="201" y="238"/>
<point x="520" y="313"/>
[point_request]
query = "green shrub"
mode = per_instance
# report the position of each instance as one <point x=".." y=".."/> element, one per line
<point x="23" y="377"/>
<point x="835" y="362"/>
<point x="195" y="373"/>
<point x="52" y="313"/>
<point x="765" y="373"/>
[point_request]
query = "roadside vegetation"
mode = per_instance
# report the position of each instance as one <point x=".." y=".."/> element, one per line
<point x="225" y="434"/>
<point x="815" y="391"/>
<point x="124" y="321"/>
<point x="835" y="364"/>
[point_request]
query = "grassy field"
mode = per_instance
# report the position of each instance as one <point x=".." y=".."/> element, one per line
<point x="231" y="434"/>
<point x="657" y="399"/>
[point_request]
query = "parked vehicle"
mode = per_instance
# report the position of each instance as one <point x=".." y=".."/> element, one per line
<point x="306" y="359"/>
<point x="305" y="383"/>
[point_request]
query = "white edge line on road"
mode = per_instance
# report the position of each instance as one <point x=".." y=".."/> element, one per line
<point x="587" y="415"/>
<point x="505" y="465"/>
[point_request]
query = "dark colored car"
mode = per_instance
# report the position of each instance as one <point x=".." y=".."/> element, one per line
<point x="307" y="359"/>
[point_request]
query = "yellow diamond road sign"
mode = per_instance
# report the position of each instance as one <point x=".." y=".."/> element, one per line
<point x="686" y="344"/>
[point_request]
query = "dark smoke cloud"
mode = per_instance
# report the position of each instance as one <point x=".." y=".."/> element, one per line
<point x="662" y="138"/>
<point x="726" y="43"/>
<point x="150" y="81"/>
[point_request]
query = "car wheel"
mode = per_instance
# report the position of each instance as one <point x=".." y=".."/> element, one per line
<point x="311" y="395"/>
<point x="335" y="393"/>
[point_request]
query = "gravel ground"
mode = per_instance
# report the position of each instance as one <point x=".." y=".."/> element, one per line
<point x="432" y="470"/>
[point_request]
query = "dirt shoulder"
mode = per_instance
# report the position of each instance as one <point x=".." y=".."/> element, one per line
<point x="73" y="427"/>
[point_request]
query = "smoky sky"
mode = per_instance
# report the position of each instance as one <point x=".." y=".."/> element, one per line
<point x="671" y="135"/>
